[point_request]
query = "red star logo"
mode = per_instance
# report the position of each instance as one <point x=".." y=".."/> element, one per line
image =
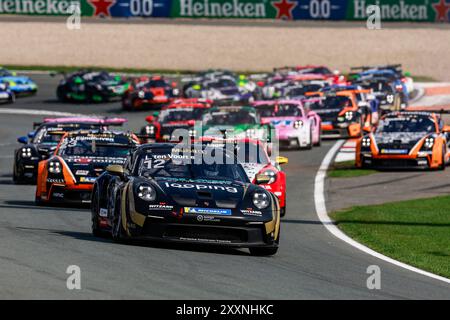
<point x="441" y="9"/>
<point x="284" y="8"/>
<point x="102" y="7"/>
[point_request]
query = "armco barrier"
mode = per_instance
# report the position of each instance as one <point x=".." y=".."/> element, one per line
<point x="391" y="10"/>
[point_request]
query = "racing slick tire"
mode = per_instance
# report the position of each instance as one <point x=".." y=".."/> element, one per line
<point x="12" y="99"/>
<point x="94" y="211"/>
<point x="38" y="202"/>
<point x="61" y="95"/>
<point x="117" y="231"/>
<point x="443" y="164"/>
<point x="283" y="211"/>
<point x="310" y="144"/>
<point x="319" y="143"/>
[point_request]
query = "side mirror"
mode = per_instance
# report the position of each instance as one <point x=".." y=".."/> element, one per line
<point x="116" y="170"/>
<point x="446" y="129"/>
<point x="150" y="119"/>
<point x="262" y="179"/>
<point x="14" y="73"/>
<point x="156" y="114"/>
<point x="174" y="84"/>
<point x="23" y="140"/>
<point x="31" y="134"/>
<point x="282" y="160"/>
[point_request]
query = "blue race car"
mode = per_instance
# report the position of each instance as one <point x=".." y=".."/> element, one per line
<point x="19" y="85"/>
<point x="6" y="95"/>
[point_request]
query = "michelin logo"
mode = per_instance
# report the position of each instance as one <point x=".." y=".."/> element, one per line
<point x="225" y="212"/>
<point x="200" y="187"/>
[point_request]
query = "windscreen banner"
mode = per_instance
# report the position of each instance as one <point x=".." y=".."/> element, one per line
<point x="388" y="10"/>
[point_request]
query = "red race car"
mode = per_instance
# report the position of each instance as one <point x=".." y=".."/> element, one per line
<point x="153" y="91"/>
<point x="181" y="114"/>
<point x="254" y="159"/>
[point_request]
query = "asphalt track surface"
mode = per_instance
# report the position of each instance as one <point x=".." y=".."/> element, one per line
<point x="37" y="244"/>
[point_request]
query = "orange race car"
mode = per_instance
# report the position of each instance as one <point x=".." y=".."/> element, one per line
<point x="69" y="175"/>
<point x="340" y="114"/>
<point x="405" y="140"/>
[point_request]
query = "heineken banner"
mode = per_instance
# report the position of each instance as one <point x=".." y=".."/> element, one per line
<point x="389" y="10"/>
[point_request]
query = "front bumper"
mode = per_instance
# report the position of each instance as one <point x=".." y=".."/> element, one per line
<point x="60" y="194"/>
<point x="399" y="162"/>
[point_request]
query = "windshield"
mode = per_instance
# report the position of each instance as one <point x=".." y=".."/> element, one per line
<point x="52" y="134"/>
<point x="300" y="91"/>
<point x="94" y="147"/>
<point x="181" y="114"/>
<point x="5" y="73"/>
<point x="170" y="164"/>
<point x="407" y="124"/>
<point x="230" y="117"/>
<point x="221" y="84"/>
<point x="154" y="84"/>
<point x="338" y="102"/>
<point x="279" y="110"/>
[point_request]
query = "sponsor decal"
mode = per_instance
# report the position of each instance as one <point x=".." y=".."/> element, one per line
<point x="58" y="195"/>
<point x="88" y="179"/>
<point x="416" y="10"/>
<point x="251" y="212"/>
<point x="52" y="180"/>
<point x="201" y="187"/>
<point x="192" y="210"/>
<point x="394" y="151"/>
<point x="219" y="9"/>
<point x="82" y="172"/>
<point x="103" y="212"/>
<point x="159" y="207"/>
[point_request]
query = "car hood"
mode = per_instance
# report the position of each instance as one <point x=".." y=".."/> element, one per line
<point x="406" y="138"/>
<point x="18" y="80"/>
<point x="282" y="121"/>
<point x="87" y="169"/>
<point x="252" y="169"/>
<point x="219" y="193"/>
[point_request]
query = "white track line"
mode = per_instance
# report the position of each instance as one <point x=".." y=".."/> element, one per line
<point x="321" y="210"/>
<point x="35" y="112"/>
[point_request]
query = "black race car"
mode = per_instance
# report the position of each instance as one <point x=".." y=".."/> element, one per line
<point x="87" y="86"/>
<point x="169" y="192"/>
<point x="42" y="142"/>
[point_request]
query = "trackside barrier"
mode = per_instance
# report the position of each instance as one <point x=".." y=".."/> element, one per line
<point x="390" y="10"/>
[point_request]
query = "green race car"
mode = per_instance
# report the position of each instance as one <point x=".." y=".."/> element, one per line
<point x="86" y="86"/>
<point x="236" y="122"/>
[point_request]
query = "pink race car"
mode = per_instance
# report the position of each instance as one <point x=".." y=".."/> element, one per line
<point x="294" y="127"/>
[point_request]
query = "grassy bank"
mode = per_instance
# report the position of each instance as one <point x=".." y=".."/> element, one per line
<point x="347" y="169"/>
<point x="416" y="232"/>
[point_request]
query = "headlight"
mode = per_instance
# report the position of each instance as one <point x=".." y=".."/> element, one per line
<point x="54" y="167"/>
<point x="298" y="124"/>
<point x="429" y="142"/>
<point x="141" y="94"/>
<point x="349" y="115"/>
<point x="147" y="193"/>
<point x="272" y="174"/>
<point x="175" y="92"/>
<point x="365" y="142"/>
<point x="99" y="87"/>
<point x="261" y="200"/>
<point x="149" y="129"/>
<point x="26" y="153"/>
